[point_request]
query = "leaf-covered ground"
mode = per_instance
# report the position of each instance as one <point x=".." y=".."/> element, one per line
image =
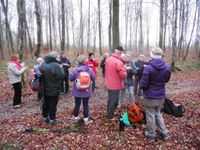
<point x="184" y="88"/>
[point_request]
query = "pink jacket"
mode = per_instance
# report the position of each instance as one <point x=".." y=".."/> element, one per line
<point x="115" y="73"/>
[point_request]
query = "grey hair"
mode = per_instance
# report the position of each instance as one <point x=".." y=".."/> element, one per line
<point x="54" y="54"/>
<point x="81" y="59"/>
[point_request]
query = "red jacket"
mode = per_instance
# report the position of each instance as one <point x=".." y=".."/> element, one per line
<point x="115" y="73"/>
<point x="93" y="65"/>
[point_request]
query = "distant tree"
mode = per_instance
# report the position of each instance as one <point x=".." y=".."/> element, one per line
<point x="197" y="38"/>
<point x="39" y="27"/>
<point x="161" y="24"/>
<point x="110" y="26"/>
<point x="63" y="25"/>
<point x="1" y="37"/>
<point x="99" y="24"/>
<point x="115" y="25"/>
<point x="88" y="28"/>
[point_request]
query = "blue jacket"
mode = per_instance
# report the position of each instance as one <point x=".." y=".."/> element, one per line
<point x="153" y="80"/>
<point x="74" y="75"/>
<point x="130" y="72"/>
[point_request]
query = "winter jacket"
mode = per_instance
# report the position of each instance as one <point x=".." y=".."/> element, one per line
<point x="130" y="72"/>
<point x="14" y="73"/>
<point x="52" y="74"/>
<point x="153" y="80"/>
<point x="93" y="64"/>
<point x="140" y="66"/>
<point x="102" y="65"/>
<point x="74" y="75"/>
<point x="65" y="65"/>
<point x="115" y="73"/>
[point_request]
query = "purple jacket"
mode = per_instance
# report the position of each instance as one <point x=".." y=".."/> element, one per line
<point x="153" y="80"/>
<point x="74" y="75"/>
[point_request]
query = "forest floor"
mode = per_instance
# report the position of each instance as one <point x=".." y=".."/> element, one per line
<point x="183" y="88"/>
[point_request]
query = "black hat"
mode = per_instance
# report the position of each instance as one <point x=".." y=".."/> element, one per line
<point x="120" y="48"/>
<point x="90" y="54"/>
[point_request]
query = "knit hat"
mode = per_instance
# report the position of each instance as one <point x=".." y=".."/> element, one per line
<point x="142" y="57"/>
<point x="54" y="54"/>
<point x="39" y="60"/>
<point x="119" y="48"/>
<point x="156" y="53"/>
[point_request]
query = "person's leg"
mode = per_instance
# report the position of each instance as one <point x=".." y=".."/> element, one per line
<point x="113" y="98"/>
<point x="131" y="94"/>
<point x="17" y="93"/>
<point x="77" y="106"/>
<point x="136" y="82"/>
<point x="62" y="86"/>
<point x="121" y="96"/>
<point x="85" y="107"/>
<point x="160" y="123"/>
<point x="151" y="123"/>
<point x="53" y="101"/>
<point x="66" y="83"/>
<point x="93" y="86"/>
<point x="45" y="107"/>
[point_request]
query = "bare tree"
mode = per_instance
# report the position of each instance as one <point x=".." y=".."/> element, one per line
<point x="50" y="29"/>
<point x="63" y="25"/>
<point x="71" y="13"/>
<point x="39" y="27"/>
<point x="8" y="34"/>
<point x="1" y="37"/>
<point x="88" y="31"/>
<point x="165" y="23"/>
<point x="197" y="38"/>
<point x="99" y="24"/>
<point x="161" y="24"/>
<point x="174" y="33"/>
<point x="81" y="28"/>
<point x="141" y="41"/>
<point x="21" y="26"/>
<point x="110" y="25"/>
<point x="67" y="25"/>
<point x="115" y="25"/>
<point x="194" y="22"/>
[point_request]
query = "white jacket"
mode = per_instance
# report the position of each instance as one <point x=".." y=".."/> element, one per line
<point x="14" y="73"/>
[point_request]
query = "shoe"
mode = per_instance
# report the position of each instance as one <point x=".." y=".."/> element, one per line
<point x="87" y="121"/>
<point x="53" y="122"/>
<point x="151" y="138"/>
<point x="164" y="137"/>
<point x="76" y="119"/>
<point x="45" y="119"/>
<point x="16" y="106"/>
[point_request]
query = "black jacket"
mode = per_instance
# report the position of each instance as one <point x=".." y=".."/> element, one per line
<point x="52" y="74"/>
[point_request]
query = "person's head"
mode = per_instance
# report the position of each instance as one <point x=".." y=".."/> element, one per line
<point x="39" y="60"/>
<point x="156" y="53"/>
<point x="14" y="57"/>
<point x="128" y="58"/>
<point x="82" y="60"/>
<point x="119" y="50"/>
<point x="54" y="54"/>
<point x="106" y="55"/>
<point x="62" y="55"/>
<point x="91" y="55"/>
<point x="142" y="57"/>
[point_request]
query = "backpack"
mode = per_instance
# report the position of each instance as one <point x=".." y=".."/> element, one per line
<point x="135" y="114"/>
<point x="83" y="81"/>
<point x="35" y="78"/>
<point x="172" y="109"/>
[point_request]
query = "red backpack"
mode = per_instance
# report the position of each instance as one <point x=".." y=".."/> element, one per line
<point x="135" y="115"/>
<point x="83" y="81"/>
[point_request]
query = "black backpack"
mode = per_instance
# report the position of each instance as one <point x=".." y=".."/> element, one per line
<point x="173" y="109"/>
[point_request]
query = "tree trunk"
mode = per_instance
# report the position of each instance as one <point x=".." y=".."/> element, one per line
<point x="50" y="30"/>
<point x="115" y="25"/>
<point x="174" y="32"/>
<point x="29" y="38"/>
<point x="141" y="41"/>
<point x="88" y="32"/>
<point x="99" y="23"/>
<point x="1" y="38"/>
<point x="39" y="27"/>
<point x="161" y="25"/>
<point x="63" y="25"/>
<point x="197" y="38"/>
<point x="67" y="28"/>
<point x="188" y="45"/>
<point x="81" y="27"/>
<point x="110" y="26"/>
<point x="165" y="25"/>
<point x="5" y="10"/>
<point x="21" y="26"/>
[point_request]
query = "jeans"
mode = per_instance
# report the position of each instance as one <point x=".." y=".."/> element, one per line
<point x="137" y="89"/>
<point x="121" y="96"/>
<point x="113" y="99"/>
<point x="131" y="94"/>
<point x="85" y="106"/>
<point x="49" y="107"/>
<point x="154" y="119"/>
<point x="17" y="93"/>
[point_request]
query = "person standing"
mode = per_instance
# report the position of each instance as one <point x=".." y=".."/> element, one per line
<point x="82" y="95"/>
<point x="15" y="71"/>
<point x="115" y="75"/>
<point x="52" y="75"/>
<point x="93" y="64"/>
<point x="153" y="80"/>
<point x="102" y="64"/>
<point x="65" y="63"/>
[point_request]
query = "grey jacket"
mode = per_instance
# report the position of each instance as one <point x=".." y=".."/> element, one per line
<point x="14" y="73"/>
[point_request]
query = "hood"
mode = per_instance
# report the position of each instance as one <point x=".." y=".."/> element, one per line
<point x="158" y="64"/>
<point x="83" y="67"/>
<point x="49" y="59"/>
<point x="118" y="57"/>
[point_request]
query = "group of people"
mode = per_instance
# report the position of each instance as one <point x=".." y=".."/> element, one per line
<point x="118" y="71"/>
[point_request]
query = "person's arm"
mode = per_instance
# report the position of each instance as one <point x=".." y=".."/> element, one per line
<point x="168" y="75"/>
<point x="145" y="78"/>
<point x="72" y="75"/>
<point x="59" y="72"/>
<point x="96" y="63"/>
<point x="92" y="75"/>
<point x="121" y="70"/>
<point x="16" y="71"/>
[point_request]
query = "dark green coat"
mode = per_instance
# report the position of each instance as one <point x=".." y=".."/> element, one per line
<point x="52" y="74"/>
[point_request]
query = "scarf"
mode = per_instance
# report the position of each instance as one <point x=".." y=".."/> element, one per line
<point x="19" y="66"/>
